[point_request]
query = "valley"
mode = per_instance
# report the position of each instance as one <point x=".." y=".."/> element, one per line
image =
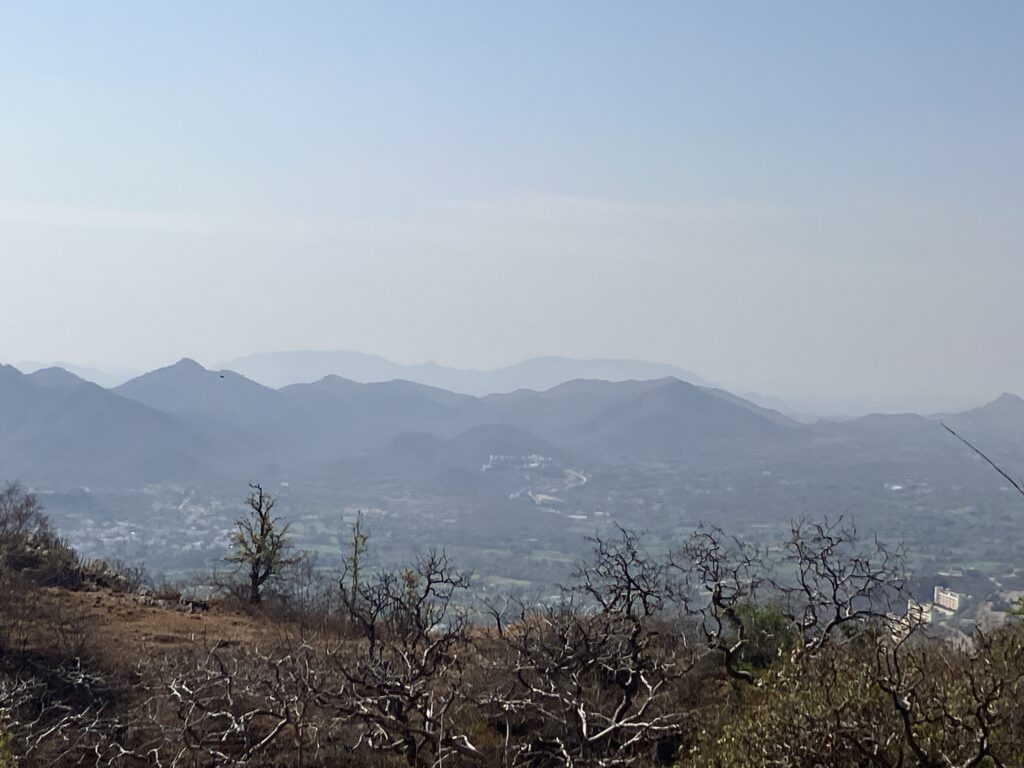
<point x="510" y="485"/>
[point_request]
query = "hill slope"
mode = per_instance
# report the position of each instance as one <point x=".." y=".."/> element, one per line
<point x="186" y="422"/>
<point x="677" y="421"/>
<point x="188" y="388"/>
<point x="62" y="429"/>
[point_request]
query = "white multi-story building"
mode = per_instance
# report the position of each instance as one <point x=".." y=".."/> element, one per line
<point x="918" y="613"/>
<point x="947" y="598"/>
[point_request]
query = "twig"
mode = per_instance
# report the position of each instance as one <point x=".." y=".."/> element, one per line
<point x="1017" y="486"/>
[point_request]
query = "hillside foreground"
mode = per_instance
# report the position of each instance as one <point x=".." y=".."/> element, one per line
<point x="714" y="653"/>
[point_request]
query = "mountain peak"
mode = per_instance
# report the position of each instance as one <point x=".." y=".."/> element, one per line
<point x="56" y="376"/>
<point x="10" y="373"/>
<point x="187" y="363"/>
<point x="1006" y="403"/>
<point x="1004" y="415"/>
<point x="1007" y="398"/>
<point x="186" y="386"/>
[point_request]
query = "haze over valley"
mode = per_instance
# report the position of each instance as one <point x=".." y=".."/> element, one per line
<point x="512" y="482"/>
<point x="575" y="384"/>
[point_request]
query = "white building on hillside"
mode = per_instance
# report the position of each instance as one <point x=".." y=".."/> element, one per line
<point x="918" y="613"/>
<point x="947" y="598"/>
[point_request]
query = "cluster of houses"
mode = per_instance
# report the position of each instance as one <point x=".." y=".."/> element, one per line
<point x="505" y="462"/>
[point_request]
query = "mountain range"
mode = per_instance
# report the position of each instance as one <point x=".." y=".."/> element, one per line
<point x="278" y="369"/>
<point x="185" y="422"/>
<point x="104" y="375"/>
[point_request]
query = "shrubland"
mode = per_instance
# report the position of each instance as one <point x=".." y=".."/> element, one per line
<point x="707" y="651"/>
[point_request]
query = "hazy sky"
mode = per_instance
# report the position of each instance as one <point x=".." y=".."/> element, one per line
<point x="786" y="197"/>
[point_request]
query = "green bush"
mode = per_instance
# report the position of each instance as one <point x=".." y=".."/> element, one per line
<point x="769" y="635"/>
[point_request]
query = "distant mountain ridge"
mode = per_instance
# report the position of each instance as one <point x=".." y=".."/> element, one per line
<point x="107" y="376"/>
<point x="279" y="369"/>
<point x="187" y="387"/>
<point x="1005" y="414"/>
<point x="185" y="423"/>
<point x="61" y="428"/>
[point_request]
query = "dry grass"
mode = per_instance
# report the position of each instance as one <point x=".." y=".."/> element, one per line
<point x="122" y="628"/>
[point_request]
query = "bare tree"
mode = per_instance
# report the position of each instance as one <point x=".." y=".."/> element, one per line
<point x="405" y="686"/>
<point x="239" y="706"/>
<point x="720" y="575"/>
<point x="260" y="545"/>
<point x="593" y="674"/>
<point x="955" y="706"/>
<point x="354" y="560"/>
<point x="21" y="515"/>
<point x="837" y="583"/>
<point x="65" y="715"/>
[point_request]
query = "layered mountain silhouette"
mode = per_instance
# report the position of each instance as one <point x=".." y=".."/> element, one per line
<point x="186" y="423"/>
<point x="62" y="429"/>
<point x="278" y="369"/>
<point x="186" y="388"/>
<point x="106" y="377"/>
<point x="1004" y="415"/>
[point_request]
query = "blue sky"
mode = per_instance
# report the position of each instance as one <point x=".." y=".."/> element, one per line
<point x="791" y="197"/>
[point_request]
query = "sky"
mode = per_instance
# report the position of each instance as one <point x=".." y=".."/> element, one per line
<point x="818" y="201"/>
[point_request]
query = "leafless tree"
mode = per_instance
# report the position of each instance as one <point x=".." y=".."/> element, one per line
<point x="236" y="706"/>
<point x="21" y="515"/>
<point x="835" y="582"/>
<point x="404" y="686"/>
<point x="68" y="715"/>
<point x="955" y="705"/>
<point x="720" y="574"/>
<point x="589" y="678"/>
<point x="354" y="559"/>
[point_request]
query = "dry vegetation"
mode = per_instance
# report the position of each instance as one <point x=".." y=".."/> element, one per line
<point x="713" y="654"/>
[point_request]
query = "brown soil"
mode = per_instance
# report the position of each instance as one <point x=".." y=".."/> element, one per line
<point x="140" y="628"/>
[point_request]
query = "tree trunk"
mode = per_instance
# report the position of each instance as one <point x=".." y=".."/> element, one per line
<point x="254" y="589"/>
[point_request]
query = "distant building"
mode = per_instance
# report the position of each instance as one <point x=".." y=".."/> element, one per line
<point x="918" y="613"/>
<point x="505" y="462"/>
<point x="947" y="598"/>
